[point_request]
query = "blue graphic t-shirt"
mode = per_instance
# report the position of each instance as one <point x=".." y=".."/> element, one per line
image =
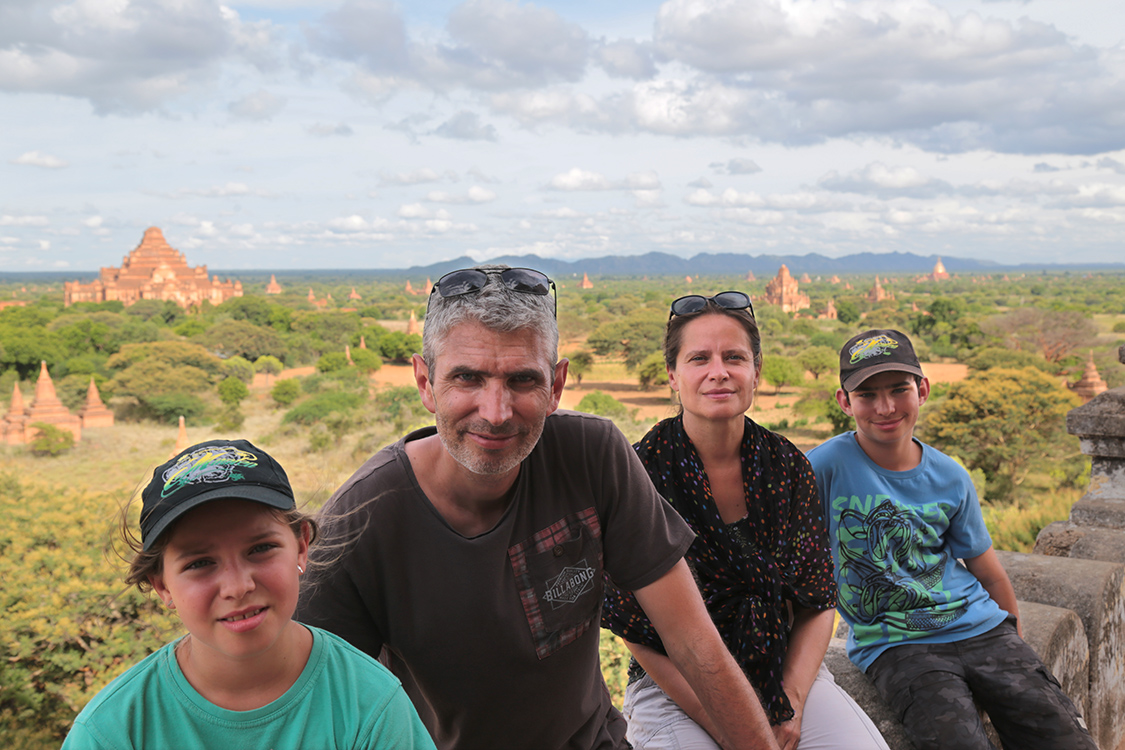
<point x="896" y="538"/>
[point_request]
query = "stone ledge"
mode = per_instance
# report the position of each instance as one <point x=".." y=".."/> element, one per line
<point x="1095" y="591"/>
<point x="1068" y="539"/>
<point x="1056" y="635"/>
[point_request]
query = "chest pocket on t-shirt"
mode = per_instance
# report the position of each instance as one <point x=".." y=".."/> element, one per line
<point x="559" y="577"/>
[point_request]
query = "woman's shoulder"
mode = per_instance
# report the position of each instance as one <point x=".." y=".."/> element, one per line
<point x="778" y="446"/>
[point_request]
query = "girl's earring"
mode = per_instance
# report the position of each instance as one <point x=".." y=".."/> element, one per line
<point x="300" y="570"/>
<point x="171" y="604"/>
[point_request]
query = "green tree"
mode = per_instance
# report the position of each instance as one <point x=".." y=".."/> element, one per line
<point x="652" y="371"/>
<point x="635" y="336"/>
<point x="171" y="353"/>
<point x="997" y="356"/>
<point x="580" y="364"/>
<point x="818" y="360"/>
<point x="285" y="392"/>
<point x="239" y="337"/>
<point x="847" y="312"/>
<point x="781" y="371"/>
<point x="1005" y="422"/>
<point x="232" y="391"/>
<point x="268" y="364"/>
<point x="604" y="405"/>
<point x="153" y="377"/>
<point x="1053" y="333"/>
<point x="50" y="440"/>
<point x="366" y="360"/>
<point x="331" y="362"/>
<point x="237" y="367"/>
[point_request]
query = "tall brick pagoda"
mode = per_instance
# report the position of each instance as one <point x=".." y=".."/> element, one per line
<point x="154" y="270"/>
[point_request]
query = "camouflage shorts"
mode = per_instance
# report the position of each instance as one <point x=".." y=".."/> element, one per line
<point x="936" y="688"/>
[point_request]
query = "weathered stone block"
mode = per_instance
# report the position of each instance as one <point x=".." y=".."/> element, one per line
<point x="855" y="683"/>
<point x="1059" y="638"/>
<point x="1068" y="539"/>
<point x="1095" y="591"/>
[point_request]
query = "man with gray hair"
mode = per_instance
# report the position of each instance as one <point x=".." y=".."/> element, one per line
<point x="474" y="552"/>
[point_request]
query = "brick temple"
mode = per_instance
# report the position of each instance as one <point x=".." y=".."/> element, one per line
<point x="783" y="291"/>
<point x="154" y="270"/>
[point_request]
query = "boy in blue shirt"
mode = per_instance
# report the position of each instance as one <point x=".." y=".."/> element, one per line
<point x="937" y="636"/>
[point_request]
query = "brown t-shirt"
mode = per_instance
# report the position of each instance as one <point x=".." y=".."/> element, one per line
<point x="495" y="637"/>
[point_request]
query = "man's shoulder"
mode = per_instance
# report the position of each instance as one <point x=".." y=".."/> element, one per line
<point x="384" y="469"/>
<point x="574" y="430"/>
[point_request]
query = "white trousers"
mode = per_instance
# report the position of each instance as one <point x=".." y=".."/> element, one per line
<point x="832" y="720"/>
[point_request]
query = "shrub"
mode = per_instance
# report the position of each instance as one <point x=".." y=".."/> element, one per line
<point x="604" y="405"/>
<point x="268" y="364"/>
<point x="319" y="406"/>
<point x="230" y="418"/>
<point x="366" y="361"/>
<point x="170" y="407"/>
<point x="237" y="367"/>
<point x="285" y="392"/>
<point x="232" y="391"/>
<point x="50" y="440"/>
<point x="69" y="625"/>
<point x="652" y="371"/>
<point x="402" y="407"/>
<point x="332" y="361"/>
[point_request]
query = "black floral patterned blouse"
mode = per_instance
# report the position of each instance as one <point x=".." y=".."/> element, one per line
<point x="746" y="570"/>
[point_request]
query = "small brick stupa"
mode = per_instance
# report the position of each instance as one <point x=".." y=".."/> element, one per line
<point x="586" y="283"/>
<point x="273" y="287"/>
<point x="1091" y="383"/>
<point x="47" y="408"/>
<point x="939" y="273"/>
<point x="429" y="287"/>
<point x="182" y="443"/>
<point x="354" y="294"/>
<point x="95" y="413"/>
<point x="15" y="421"/>
<point x="154" y="270"/>
<point x="412" y="324"/>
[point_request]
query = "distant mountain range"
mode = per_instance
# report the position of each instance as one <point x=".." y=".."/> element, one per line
<point x="657" y="264"/>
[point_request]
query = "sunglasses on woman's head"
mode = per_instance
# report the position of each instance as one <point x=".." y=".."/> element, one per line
<point x="472" y="280"/>
<point x="693" y="303"/>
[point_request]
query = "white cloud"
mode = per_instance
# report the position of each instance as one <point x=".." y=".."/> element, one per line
<point x="466" y="126"/>
<point x="738" y="165"/>
<point x="325" y="130"/>
<point x="39" y="159"/>
<point x="260" y="105"/>
<point x="7" y="220"/>
<point x="488" y="45"/>
<point x="626" y="58"/>
<point x="879" y="179"/>
<point x="416" y="177"/>
<point x="475" y="194"/>
<point x="581" y="179"/>
<point x="121" y="55"/>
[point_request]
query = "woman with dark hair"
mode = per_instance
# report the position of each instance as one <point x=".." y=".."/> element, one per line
<point x="761" y="556"/>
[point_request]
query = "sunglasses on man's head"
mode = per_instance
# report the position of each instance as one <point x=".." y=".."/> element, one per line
<point x="693" y="303"/>
<point x="472" y="280"/>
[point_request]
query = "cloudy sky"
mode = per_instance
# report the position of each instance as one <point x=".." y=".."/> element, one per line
<point x="374" y="134"/>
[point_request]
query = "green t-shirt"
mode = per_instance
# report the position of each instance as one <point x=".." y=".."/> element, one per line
<point x="343" y="699"/>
